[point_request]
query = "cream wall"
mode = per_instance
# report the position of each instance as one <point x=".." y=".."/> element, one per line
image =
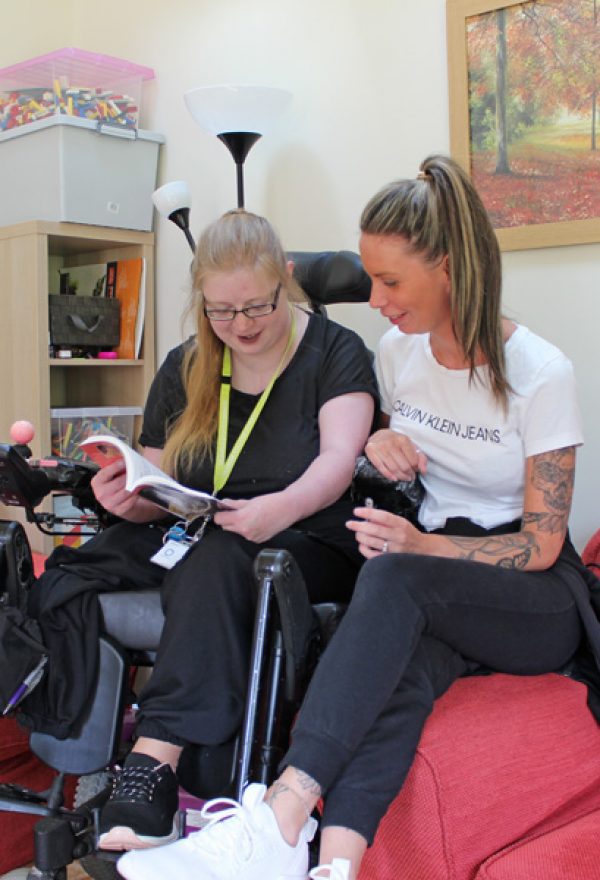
<point x="370" y="100"/>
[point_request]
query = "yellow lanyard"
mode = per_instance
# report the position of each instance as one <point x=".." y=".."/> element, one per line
<point x="225" y="464"/>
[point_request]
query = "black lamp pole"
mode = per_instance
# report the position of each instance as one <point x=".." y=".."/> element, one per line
<point x="181" y="219"/>
<point x="239" y="144"/>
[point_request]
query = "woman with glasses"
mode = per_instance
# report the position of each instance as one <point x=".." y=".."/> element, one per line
<point x="268" y="406"/>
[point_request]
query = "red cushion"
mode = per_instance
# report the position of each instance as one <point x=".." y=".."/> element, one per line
<point x="571" y="852"/>
<point x="38" y="563"/>
<point x="500" y="756"/>
<point x="591" y="552"/>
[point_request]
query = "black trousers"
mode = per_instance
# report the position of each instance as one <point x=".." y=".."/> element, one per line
<point x="414" y="625"/>
<point x="197" y="690"/>
<point x="198" y="686"/>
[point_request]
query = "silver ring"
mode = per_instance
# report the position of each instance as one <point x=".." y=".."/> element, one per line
<point x="384" y="548"/>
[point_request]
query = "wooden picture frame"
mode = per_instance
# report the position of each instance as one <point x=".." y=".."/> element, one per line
<point x="459" y="15"/>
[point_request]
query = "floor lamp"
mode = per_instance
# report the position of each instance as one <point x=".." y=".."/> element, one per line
<point x="238" y="116"/>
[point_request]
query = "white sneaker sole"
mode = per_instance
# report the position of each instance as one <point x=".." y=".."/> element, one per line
<point x="121" y="837"/>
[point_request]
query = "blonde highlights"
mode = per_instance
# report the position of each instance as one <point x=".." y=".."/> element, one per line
<point x="237" y="240"/>
<point x="441" y="214"/>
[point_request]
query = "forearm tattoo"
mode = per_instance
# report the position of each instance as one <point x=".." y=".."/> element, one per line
<point x="505" y="551"/>
<point x="552" y="474"/>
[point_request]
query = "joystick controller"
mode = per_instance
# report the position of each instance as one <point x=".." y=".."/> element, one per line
<point x="22" y="433"/>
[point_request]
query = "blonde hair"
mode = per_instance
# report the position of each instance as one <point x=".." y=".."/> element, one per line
<point x="441" y="214"/>
<point x="237" y="240"/>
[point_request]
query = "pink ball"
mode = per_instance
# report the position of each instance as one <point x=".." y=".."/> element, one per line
<point x="22" y="432"/>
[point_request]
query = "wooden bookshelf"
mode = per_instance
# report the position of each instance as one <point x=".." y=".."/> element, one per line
<point x="32" y="382"/>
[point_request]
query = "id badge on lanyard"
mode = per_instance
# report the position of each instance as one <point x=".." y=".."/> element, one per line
<point x="177" y="542"/>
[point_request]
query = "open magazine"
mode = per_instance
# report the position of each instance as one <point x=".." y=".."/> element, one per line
<point x="147" y="479"/>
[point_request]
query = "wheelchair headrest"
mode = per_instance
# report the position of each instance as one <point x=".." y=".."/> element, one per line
<point x="331" y="276"/>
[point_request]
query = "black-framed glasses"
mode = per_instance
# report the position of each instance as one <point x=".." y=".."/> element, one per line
<point x="257" y="311"/>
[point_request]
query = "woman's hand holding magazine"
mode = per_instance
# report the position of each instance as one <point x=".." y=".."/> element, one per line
<point x="149" y="481"/>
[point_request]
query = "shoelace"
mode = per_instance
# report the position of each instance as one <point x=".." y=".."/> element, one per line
<point x="338" y="870"/>
<point x="221" y="833"/>
<point x="137" y="783"/>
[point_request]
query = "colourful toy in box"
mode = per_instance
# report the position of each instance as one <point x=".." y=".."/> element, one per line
<point x="72" y="82"/>
<point x="71" y="426"/>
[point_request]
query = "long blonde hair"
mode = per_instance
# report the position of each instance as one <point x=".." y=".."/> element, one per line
<point x="237" y="240"/>
<point x="440" y="213"/>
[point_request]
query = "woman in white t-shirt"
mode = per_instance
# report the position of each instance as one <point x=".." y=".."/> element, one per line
<point x="485" y="412"/>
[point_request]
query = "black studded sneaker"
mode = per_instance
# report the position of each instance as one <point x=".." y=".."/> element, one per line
<point x="142" y="809"/>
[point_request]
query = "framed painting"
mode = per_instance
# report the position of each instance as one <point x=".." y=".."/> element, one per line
<point x="524" y="92"/>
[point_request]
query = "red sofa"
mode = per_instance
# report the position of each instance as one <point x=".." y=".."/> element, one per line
<point x="505" y="786"/>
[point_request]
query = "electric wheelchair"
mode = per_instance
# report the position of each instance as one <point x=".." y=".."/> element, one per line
<point x="288" y="635"/>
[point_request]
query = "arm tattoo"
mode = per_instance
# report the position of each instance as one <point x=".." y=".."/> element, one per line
<point x="553" y="474"/>
<point x="505" y="551"/>
<point x="545" y="522"/>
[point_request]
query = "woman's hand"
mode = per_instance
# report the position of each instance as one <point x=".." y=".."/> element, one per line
<point x="378" y="531"/>
<point x="395" y="455"/>
<point x="108" y="485"/>
<point x="256" y="519"/>
<point x="549" y="480"/>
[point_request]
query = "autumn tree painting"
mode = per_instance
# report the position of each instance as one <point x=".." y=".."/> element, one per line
<point x="534" y="85"/>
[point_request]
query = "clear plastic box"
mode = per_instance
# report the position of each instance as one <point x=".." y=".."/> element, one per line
<point x="69" y="426"/>
<point x="72" y="82"/>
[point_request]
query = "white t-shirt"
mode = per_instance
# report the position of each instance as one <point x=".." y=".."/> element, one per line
<point x="475" y="452"/>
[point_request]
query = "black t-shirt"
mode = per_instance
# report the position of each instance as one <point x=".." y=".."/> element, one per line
<point x="330" y="361"/>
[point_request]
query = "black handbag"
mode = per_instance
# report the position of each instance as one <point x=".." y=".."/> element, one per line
<point x="86" y="321"/>
<point x="371" y="489"/>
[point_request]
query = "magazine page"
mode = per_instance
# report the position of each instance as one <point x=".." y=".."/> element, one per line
<point x="177" y="499"/>
<point x="104" y="448"/>
<point x="153" y="483"/>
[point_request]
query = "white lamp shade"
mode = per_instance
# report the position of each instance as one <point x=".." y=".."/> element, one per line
<point x="172" y="197"/>
<point x="231" y="108"/>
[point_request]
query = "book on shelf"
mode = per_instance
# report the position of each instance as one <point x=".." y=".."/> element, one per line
<point x="149" y="481"/>
<point x="129" y="290"/>
<point x="87" y="280"/>
<point x="124" y="280"/>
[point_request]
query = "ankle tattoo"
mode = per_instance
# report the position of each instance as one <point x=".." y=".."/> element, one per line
<point x="308" y="784"/>
<point x="279" y="788"/>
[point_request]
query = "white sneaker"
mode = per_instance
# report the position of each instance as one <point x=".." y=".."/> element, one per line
<point x="240" y="842"/>
<point x="339" y="869"/>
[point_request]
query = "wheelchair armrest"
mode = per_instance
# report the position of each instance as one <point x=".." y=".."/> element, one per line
<point x="329" y="615"/>
<point x="305" y="628"/>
